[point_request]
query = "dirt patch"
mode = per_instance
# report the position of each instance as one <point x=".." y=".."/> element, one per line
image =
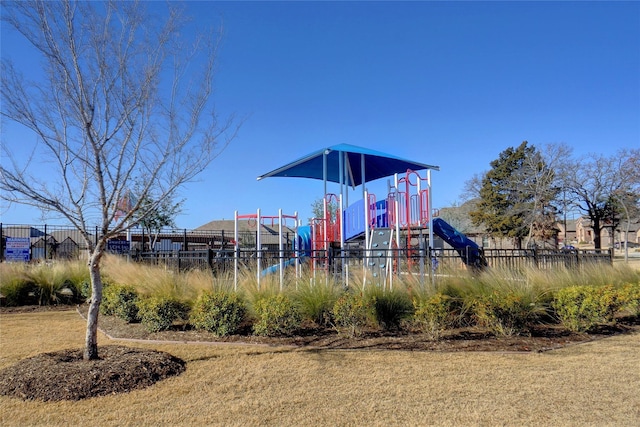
<point x="540" y="338"/>
<point x="65" y="376"/>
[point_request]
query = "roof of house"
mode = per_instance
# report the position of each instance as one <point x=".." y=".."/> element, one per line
<point x="268" y="230"/>
<point x="21" y="231"/>
<point x="62" y="235"/>
<point x="634" y="224"/>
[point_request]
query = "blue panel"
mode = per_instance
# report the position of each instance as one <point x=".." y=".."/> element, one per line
<point x="353" y="220"/>
<point x="377" y="165"/>
<point x="382" y="217"/>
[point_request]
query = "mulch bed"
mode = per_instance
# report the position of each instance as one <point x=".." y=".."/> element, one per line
<point x="64" y="375"/>
<point x="541" y="338"/>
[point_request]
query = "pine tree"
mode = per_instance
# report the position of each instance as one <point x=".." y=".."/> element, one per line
<point x="505" y="205"/>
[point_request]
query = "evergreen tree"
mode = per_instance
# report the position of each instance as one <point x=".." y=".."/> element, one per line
<point x="515" y="197"/>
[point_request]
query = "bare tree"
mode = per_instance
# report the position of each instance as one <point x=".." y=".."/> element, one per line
<point x="124" y="98"/>
<point x="472" y="187"/>
<point x="458" y="216"/>
<point x="593" y="184"/>
<point x="631" y="167"/>
<point x="540" y="178"/>
<point x="628" y="195"/>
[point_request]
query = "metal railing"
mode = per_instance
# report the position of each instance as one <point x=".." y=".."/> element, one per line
<point x="402" y="260"/>
<point x="216" y="250"/>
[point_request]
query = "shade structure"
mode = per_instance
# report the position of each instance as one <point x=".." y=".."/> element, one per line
<point x="346" y="164"/>
<point x="350" y="165"/>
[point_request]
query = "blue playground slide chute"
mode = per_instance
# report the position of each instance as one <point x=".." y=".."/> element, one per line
<point x="302" y="245"/>
<point x="468" y="250"/>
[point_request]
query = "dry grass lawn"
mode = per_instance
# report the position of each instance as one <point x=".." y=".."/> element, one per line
<point x="596" y="383"/>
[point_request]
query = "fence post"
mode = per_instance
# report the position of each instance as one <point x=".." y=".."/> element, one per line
<point x="44" y="242"/>
<point x="210" y="257"/>
<point x="186" y="243"/>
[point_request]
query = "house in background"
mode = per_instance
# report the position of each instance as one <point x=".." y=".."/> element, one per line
<point x="247" y="229"/>
<point x="458" y="217"/>
<point x="43" y="247"/>
<point x="59" y="244"/>
<point x="572" y="232"/>
<point x="567" y="234"/>
<point x="21" y="231"/>
<point x="608" y="238"/>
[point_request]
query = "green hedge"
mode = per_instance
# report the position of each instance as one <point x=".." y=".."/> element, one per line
<point x="276" y="315"/>
<point x="120" y="301"/>
<point x="352" y="312"/>
<point x="630" y="298"/>
<point x="218" y="312"/>
<point x="434" y="314"/>
<point x="580" y="308"/>
<point x="507" y="313"/>
<point x="160" y="313"/>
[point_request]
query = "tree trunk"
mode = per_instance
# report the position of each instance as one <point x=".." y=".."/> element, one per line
<point x="91" y="340"/>
<point x="597" y="230"/>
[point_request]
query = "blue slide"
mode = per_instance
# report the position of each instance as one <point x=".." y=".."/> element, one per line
<point x="303" y="246"/>
<point x="468" y="250"/>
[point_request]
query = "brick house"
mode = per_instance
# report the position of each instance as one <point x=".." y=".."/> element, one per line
<point x="608" y="237"/>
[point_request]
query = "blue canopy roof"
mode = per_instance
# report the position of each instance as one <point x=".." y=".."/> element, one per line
<point x="357" y="164"/>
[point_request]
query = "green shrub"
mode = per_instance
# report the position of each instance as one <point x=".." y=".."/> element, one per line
<point x="120" y="301"/>
<point x="159" y="313"/>
<point x="390" y="307"/>
<point x="352" y="312"/>
<point x="50" y="280"/>
<point x="275" y="315"/>
<point x="434" y="314"/>
<point x="42" y="284"/>
<point x="78" y="280"/>
<point x="629" y="295"/>
<point x="507" y="313"/>
<point x="580" y="308"/>
<point x="85" y="289"/>
<point x="218" y="312"/>
<point x="19" y="292"/>
<point x="316" y="301"/>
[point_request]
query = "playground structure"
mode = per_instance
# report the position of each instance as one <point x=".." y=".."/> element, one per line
<point x="280" y="221"/>
<point x="380" y="237"/>
<point x="383" y="237"/>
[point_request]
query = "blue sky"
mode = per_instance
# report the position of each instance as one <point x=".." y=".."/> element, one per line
<point x="445" y="83"/>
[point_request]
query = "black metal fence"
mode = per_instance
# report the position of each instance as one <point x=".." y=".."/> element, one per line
<point x="44" y="242"/>
<point x="532" y="258"/>
<point x="216" y="250"/>
<point x="403" y="260"/>
<point x="48" y="242"/>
